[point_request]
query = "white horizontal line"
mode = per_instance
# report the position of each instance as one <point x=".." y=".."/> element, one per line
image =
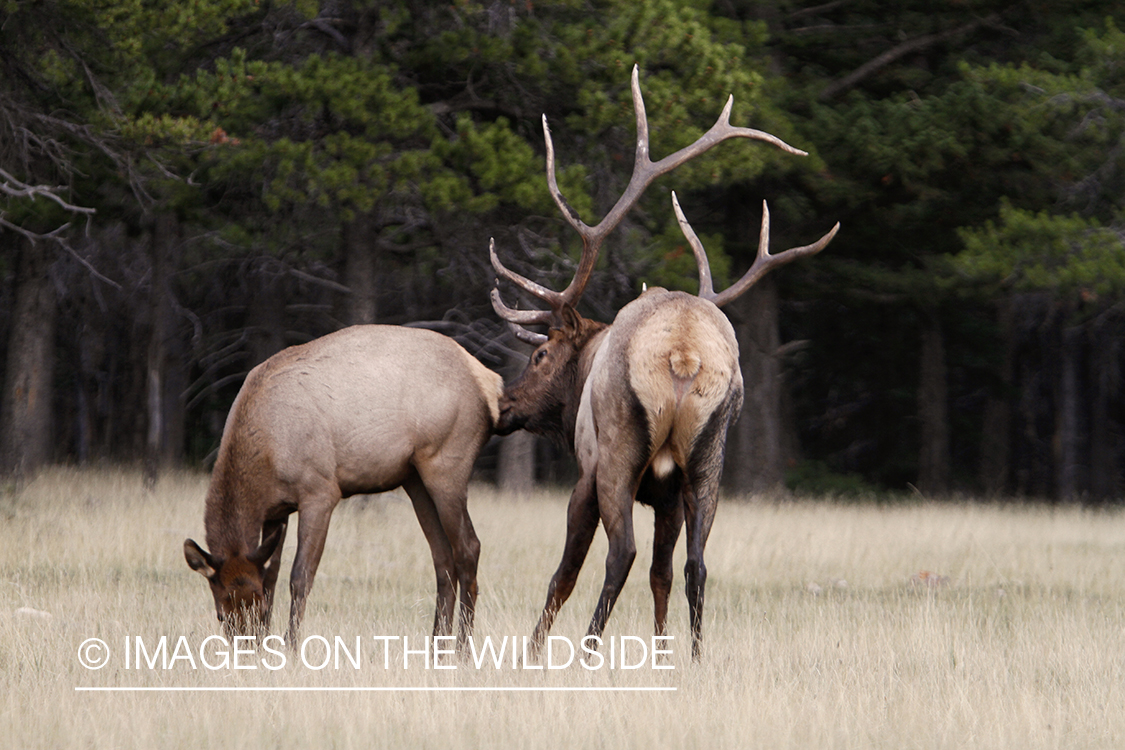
<point x="220" y="689"/>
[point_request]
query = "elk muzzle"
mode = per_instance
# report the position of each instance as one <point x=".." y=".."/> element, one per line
<point x="242" y="615"/>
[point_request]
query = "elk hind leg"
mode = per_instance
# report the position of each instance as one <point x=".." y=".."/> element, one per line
<point x="616" y="491"/>
<point x="445" y="569"/>
<point x="669" y="519"/>
<point x="699" y="499"/>
<point x="451" y="498"/>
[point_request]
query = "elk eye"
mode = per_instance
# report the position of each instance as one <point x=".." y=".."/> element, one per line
<point x="540" y="356"/>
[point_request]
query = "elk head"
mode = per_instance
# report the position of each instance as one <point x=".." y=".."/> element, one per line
<point x="238" y="584"/>
<point x="542" y="399"/>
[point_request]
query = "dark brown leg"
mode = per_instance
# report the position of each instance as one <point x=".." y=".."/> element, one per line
<point x="581" y="523"/>
<point x="669" y="520"/>
<point x="273" y="567"/>
<point x="699" y="501"/>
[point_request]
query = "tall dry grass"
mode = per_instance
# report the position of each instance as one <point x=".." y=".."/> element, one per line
<point x="815" y="634"/>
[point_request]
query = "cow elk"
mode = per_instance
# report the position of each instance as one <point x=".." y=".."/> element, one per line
<point x="645" y="402"/>
<point x="363" y="410"/>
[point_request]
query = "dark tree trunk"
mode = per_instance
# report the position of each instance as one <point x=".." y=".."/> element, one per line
<point x="165" y="378"/>
<point x="360" y="274"/>
<point x="26" y="407"/>
<point x="996" y="427"/>
<point x="265" y="318"/>
<point x="515" y="464"/>
<point x="1105" y="426"/>
<point x="1070" y="421"/>
<point x="933" y="412"/>
<point x="755" y="445"/>
<point x="1035" y="329"/>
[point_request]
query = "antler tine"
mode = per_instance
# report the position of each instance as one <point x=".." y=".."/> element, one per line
<point x="591" y="241"/>
<point x="706" y="288"/>
<point x="553" y="185"/>
<point x="592" y="237"/>
<point x="519" y="317"/>
<point x="526" y="336"/>
<point x="765" y="262"/>
<point x="551" y="297"/>
<point x="516" y="319"/>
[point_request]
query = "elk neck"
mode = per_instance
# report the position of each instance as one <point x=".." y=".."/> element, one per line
<point x="583" y="366"/>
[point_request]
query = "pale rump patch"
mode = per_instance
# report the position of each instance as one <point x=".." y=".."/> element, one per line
<point x="491" y="385"/>
<point x="680" y="368"/>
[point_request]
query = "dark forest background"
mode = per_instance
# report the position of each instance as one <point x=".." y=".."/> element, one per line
<point x="186" y="187"/>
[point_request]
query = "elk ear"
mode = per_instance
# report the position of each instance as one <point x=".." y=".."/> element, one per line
<point x="266" y="549"/>
<point x="571" y="320"/>
<point x="198" y="559"/>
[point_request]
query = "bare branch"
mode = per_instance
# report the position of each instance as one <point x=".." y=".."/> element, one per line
<point x="898" y="51"/>
<point x="816" y="9"/>
<point x="51" y="236"/>
<point x="18" y="189"/>
<point x="89" y="266"/>
<point x="325" y="26"/>
<point x="327" y="283"/>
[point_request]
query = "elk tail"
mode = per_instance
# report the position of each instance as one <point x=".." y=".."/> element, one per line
<point x="683" y="366"/>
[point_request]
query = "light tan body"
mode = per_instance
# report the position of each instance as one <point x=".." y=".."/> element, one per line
<point x="362" y="410"/>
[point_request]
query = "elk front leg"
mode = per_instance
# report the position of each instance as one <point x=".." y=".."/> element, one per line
<point x="581" y="523"/>
<point x="312" y="531"/>
<point x="273" y="567"/>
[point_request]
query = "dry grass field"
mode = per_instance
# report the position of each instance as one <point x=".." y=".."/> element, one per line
<point x="822" y="631"/>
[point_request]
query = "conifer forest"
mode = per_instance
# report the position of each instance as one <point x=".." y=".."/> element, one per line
<point x="187" y="187"/>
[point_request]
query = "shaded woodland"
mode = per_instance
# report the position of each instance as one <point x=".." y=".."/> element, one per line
<point x="187" y="189"/>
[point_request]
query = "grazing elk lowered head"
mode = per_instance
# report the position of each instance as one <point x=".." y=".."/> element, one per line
<point x="645" y="402"/>
<point x="238" y="584"/>
<point x="362" y="410"/>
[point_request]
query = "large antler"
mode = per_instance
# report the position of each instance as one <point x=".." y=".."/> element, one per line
<point x="763" y="264"/>
<point x="644" y="172"/>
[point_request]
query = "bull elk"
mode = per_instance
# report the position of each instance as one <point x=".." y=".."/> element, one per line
<point x="366" y="409"/>
<point x="645" y="402"/>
